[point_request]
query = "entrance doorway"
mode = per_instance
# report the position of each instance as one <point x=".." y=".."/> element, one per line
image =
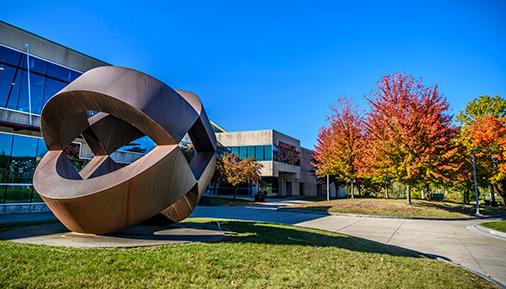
<point x="288" y="188"/>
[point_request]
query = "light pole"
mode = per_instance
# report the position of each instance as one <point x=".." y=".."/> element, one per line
<point x="328" y="188"/>
<point x="475" y="183"/>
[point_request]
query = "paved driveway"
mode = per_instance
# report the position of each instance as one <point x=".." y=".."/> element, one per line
<point x="451" y="240"/>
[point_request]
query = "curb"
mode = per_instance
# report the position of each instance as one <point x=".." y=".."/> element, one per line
<point x="489" y="232"/>
<point x="483" y="217"/>
<point x="486" y="277"/>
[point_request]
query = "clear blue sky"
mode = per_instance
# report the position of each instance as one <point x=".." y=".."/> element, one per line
<point x="280" y="64"/>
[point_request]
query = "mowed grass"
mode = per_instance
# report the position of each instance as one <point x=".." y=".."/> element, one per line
<point x="497" y="225"/>
<point x="257" y="255"/>
<point x="397" y="208"/>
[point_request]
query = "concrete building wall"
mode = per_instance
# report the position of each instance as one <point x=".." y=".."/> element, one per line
<point x="243" y="138"/>
<point x="293" y="180"/>
<point x="308" y="177"/>
<point x="280" y="137"/>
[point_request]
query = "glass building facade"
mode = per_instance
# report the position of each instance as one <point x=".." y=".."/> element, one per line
<point x="19" y="156"/>
<point x="45" y="80"/>
<point x="260" y="153"/>
<point x="26" y="83"/>
<point x="281" y="153"/>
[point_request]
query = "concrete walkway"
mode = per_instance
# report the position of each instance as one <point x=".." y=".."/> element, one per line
<point x="450" y="240"/>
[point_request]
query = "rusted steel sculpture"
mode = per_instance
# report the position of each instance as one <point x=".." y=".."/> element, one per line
<point x="104" y="197"/>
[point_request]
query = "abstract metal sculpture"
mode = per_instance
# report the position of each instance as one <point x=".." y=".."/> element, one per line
<point x="104" y="197"/>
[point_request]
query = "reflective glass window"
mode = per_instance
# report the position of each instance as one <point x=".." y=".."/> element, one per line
<point x="259" y="153"/>
<point x="58" y="72"/>
<point x="22" y="162"/>
<point x="9" y="56"/>
<point x="234" y="150"/>
<point x="5" y="154"/>
<point x="251" y="152"/>
<point x="7" y="78"/>
<point x="38" y="66"/>
<point x="19" y="194"/>
<point x="73" y="75"/>
<point x="243" y="152"/>
<point x="51" y="88"/>
<point x="3" y="191"/>
<point x="37" y="91"/>
<point x="13" y="97"/>
<point x="41" y="149"/>
<point x="268" y="152"/>
<point x="35" y="196"/>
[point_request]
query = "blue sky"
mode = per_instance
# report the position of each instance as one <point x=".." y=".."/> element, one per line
<point x="280" y="64"/>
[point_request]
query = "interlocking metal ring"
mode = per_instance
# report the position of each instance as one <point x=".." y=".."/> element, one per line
<point x="103" y="196"/>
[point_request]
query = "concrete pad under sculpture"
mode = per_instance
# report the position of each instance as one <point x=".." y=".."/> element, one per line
<point x="104" y="197"/>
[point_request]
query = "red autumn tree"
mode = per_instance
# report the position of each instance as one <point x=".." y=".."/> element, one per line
<point x="340" y="145"/>
<point x="410" y="134"/>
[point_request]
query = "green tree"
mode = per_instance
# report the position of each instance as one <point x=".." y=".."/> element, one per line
<point x="482" y="106"/>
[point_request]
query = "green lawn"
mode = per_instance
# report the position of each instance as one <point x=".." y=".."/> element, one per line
<point x="497" y="225"/>
<point x="257" y="255"/>
<point x="397" y="208"/>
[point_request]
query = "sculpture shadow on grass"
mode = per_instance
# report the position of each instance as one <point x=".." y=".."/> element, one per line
<point x="239" y="232"/>
<point x="270" y="234"/>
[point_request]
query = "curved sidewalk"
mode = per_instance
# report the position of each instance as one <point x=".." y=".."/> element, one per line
<point x="450" y="240"/>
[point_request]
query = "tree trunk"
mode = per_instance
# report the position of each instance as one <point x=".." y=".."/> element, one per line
<point x="351" y="190"/>
<point x="393" y="191"/>
<point x="235" y="193"/>
<point x="501" y="190"/>
<point x="386" y="192"/>
<point x="492" y="196"/>
<point x="408" y="195"/>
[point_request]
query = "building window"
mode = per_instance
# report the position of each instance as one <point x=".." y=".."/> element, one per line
<point x="286" y="153"/>
<point x="251" y="152"/>
<point x="46" y="79"/>
<point x="268" y="152"/>
<point x="260" y="153"/>
<point x="19" y="156"/>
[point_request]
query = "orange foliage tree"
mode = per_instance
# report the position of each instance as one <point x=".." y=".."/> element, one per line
<point x="340" y="144"/>
<point x="488" y="134"/>
<point x="410" y="135"/>
<point x="238" y="172"/>
<point x="483" y="122"/>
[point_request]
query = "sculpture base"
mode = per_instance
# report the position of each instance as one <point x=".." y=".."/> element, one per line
<point x="137" y="236"/>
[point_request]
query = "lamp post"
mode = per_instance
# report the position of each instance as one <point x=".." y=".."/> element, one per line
<point x="328" y="188"/>
<point x="475" y="183"/>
